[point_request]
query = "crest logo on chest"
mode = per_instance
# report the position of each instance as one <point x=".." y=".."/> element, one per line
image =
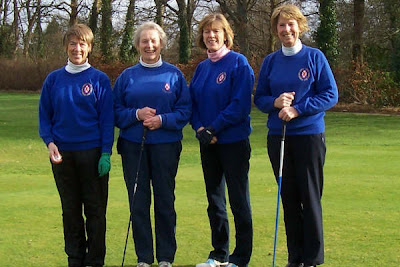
<point x="304" y="74"/>
<point x="87" y="89"/>
<point x="167" y="88"/>
<point x="221" y="77"/>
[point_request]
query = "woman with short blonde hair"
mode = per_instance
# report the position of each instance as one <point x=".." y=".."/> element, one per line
<point x="295" y="87"/>
<point x="76" y="122"/>
<point x="211" y="20"/>
<point x="221" y="91"/>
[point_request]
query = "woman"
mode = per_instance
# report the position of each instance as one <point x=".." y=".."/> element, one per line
<point x="151" y="94"/>
<point x="296" y="86"/>
<point x="76" y="123"/>
<point x="221" y="97"/>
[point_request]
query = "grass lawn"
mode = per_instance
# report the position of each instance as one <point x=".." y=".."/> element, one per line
<point x="361" y="201"/>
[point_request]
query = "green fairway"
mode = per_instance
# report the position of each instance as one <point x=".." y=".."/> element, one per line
<point x="361" y="201"/>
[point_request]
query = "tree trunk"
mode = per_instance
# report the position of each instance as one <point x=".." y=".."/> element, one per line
<point x="239" y="16"/>
<point x="359" y="11"/>
<point x="160" y="9"/>
<point x="392" y="8"/>
<point x="15" y="28"/>
<point x="184" y="40"/>
<point x="106" y="31"/>
<point x="73" y="18"/>
<point x="127" y="49"/>
<point x="94" y="15"/>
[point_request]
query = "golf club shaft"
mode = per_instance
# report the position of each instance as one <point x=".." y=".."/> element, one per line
<point x="281" y="155"/>
<point x="134" y="191"/>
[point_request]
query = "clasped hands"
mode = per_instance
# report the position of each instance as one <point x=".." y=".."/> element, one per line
<point x="206" y="136"/>
<point x="284" y="103"/>
<point x="149" y="117"/>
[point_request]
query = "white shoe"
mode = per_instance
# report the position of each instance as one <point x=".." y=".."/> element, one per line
<point x="164" y="264"/>
<point x="143" y="264"/>
<point x="211" y="263"/>
<point x="232" y="265"/>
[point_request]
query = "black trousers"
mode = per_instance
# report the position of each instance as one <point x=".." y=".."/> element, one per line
<point x="228" y="163"/>
<point x="302" y="183"/>
<point x="159" y="165"/>
<point x="80" y="187"/>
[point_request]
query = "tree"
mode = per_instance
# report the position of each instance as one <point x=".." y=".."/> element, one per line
<point x="160" y="9"/>
<point x="326" y="35"/>
<point x="392" y="8"/>
<point x="15" y="28"/>
<point x="106" y="31"/>
<point x="127" y="50"/>
<point x="238" y="13"/>
<point x="94" y="15"/>
<point x="358" y="44"/>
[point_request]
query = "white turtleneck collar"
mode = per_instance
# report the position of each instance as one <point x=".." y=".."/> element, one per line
<point x="152" y="65"/>
<point x="72" y="68"/>
<point x="291" y="51"/>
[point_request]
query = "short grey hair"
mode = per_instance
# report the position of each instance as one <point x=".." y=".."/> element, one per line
<point x="149" y="25"/>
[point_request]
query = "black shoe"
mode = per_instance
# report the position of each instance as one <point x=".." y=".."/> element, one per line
<point x="294" y="264"/>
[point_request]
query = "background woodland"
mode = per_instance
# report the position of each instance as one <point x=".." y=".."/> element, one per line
<point x="360" y="38"/>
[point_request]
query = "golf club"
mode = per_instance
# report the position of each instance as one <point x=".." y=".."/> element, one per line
<point x="279" y="187"/>
<point x="134" y="191"/>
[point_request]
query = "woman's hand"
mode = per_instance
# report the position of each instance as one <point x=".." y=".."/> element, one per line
<point x="146" y="113"/>
<point x="214" y="138"/>
<point x="284" y="100"/>
<point x="152" y="123"/>
<point x="288" y="113"/>
<point x="54" y="154"/>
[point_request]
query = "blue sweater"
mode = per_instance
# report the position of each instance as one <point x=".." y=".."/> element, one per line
<point x="76" y="110"/>
<point x="307" y="74"/>
<point x="162" y="88"/>
<point x="221" y="97"/>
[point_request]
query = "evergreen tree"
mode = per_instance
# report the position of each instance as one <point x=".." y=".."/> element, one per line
<point x="127" y="50"/>
<point x="326" y="35"/>
<point x="106" y="31"/>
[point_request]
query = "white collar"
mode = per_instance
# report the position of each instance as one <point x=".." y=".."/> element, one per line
<point x="152" y="65"/>
<point x="291" y="51"/>
<point x="73" y="68"/>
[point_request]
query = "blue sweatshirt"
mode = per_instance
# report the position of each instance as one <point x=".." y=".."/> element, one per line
<point x="221" y="97"/>
<point x="308" y="75"/>
<point x="76" y="110"/>
<point x="161" y="88"/>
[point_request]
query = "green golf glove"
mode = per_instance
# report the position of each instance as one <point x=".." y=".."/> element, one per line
<point x="104" y="164"/>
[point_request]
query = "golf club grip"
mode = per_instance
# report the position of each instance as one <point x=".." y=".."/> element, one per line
<point x="283" y="130"/>
<point x="281" y="155"/>
<point x="145" y="129"/>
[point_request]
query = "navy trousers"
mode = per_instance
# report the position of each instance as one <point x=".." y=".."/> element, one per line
<point x="80" y="186"/>
<point x="302" y="183"/>
<point x="228" y="163"/>
<point x="158" y="168"/>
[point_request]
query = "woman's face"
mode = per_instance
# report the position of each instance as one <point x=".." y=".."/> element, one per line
<point x="214" y="37"/>
<point x="78" y="50"/>
<point x="288" y="31"/>
<point x="150" y="46"/>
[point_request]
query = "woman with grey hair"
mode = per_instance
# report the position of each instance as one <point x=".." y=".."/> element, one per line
<point x="151" y="95"/>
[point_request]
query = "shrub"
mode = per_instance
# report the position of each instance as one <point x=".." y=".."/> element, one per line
<point x="364" y="85"/>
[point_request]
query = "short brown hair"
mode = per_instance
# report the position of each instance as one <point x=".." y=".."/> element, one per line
<point x="289" y="12"/>
<point x="208" y="21"/>
<point x="81" y="31"/>
<point x="149" y="25"/>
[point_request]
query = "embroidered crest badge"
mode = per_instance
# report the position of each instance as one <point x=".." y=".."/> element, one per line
<point x="304" y="74"/>
<point x="87" y="89"/>
<point x="221" y="77"/>
<point x="167" y="88"/>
